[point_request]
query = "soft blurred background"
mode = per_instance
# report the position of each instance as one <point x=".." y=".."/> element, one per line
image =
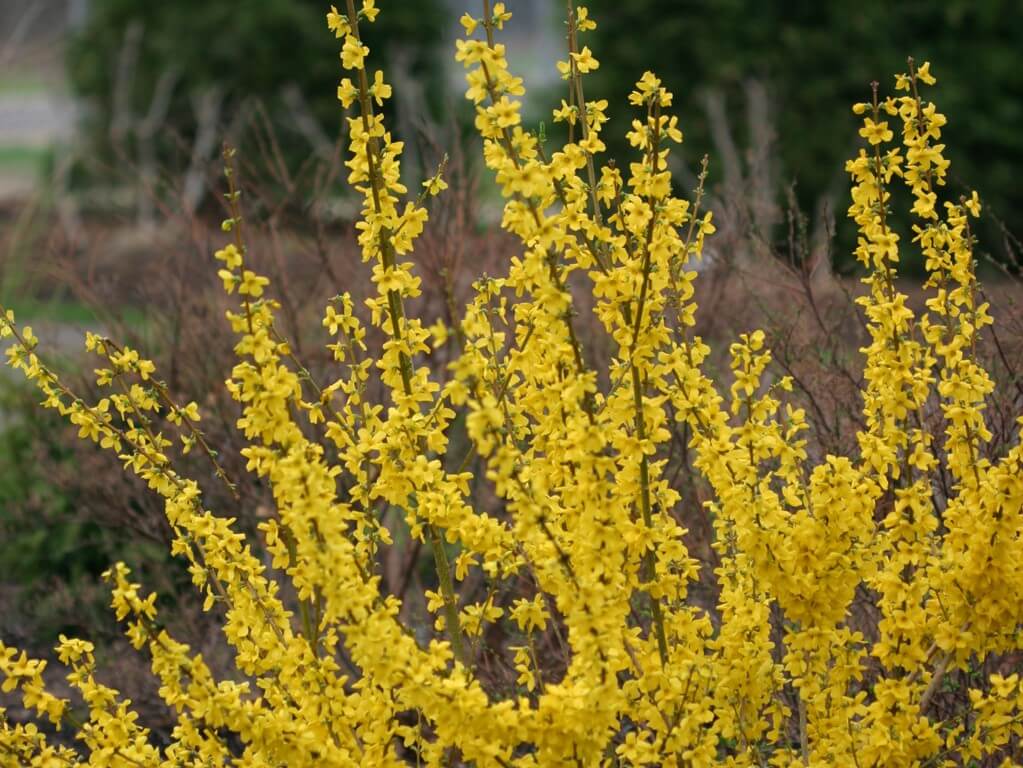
<point x="113" y="114"/>
<point x="101" y="99"/>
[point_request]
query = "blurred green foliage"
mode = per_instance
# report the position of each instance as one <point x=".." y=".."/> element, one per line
<point x="247" y="50"/>
<point x="52" y="552"/>
<point x="25" y="492"/>
<point x="817" y="59"/>
<point x="42" y="543"/>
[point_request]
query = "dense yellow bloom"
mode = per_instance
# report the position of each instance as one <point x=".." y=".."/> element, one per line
<point x="585" y="529"/>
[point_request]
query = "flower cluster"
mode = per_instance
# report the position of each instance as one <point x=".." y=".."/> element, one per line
<point x="582" y="548"/>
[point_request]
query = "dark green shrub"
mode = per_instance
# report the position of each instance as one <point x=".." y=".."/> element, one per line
<point x="128" y="53"/>
<point x="817" y="58"/>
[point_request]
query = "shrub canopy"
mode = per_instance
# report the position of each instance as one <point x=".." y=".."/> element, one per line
<point x="849" y="588"/>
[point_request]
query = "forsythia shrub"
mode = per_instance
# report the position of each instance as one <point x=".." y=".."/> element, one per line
<point x="781" y="672"/>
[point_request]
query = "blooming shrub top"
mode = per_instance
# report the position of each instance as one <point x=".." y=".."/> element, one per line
<point x="780" y="673"/>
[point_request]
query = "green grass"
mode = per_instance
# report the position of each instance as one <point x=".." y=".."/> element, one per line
<point x="67" y="312"/>
<point x="31" y="159"/>
<point x="22" y="83"/>
<point x="62" y="312"/>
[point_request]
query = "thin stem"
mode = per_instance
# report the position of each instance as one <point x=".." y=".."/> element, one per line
<point x="396" y="312"/>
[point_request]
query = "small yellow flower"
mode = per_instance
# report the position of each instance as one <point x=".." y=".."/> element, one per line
<point x="435" y="185"/>
<point x="347" y="93"/>
<point x="370" y="10"/>
<point x="230" y="255"/>
<point x="876" y="133"/>
<point x="973" y="204"/>
<point x="500" y="15"/>
<point x="584" y="60"/>
<point x="353" y="53"/>
<point x="229" y="279"/>
<point x="923" y="74"/>
<point x="379" y="90"/>
<point x="506" y="112"/>
<point x="337" y="23"/>
<point x="469" y="22"/>
<point x="647" y="86"/>
<point x="567" y="113"/>
<point x="146" y="368"/>
<point x="252" y="284"/>
<point x="583" y="22"/>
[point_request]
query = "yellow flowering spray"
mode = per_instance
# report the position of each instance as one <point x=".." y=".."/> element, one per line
<point x="582" y="551"/>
